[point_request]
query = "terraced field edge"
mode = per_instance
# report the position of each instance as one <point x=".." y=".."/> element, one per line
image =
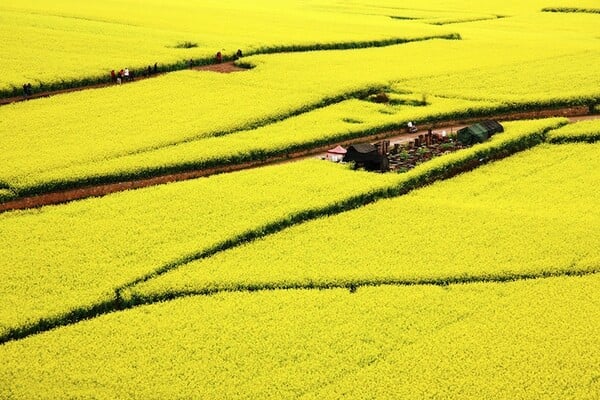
<point x="429" y="172"/>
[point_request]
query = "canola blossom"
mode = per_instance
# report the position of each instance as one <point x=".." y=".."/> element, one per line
<point x="140" y="126"/>
<point x="53" y="266"/>
<point x="529" y="339"/>
<point x="59" y="259"/>
<point x="474" y="275"/>
<point x="540" y="82"/>
<point x="98" y="37"/>
<point x="501" y="221"/>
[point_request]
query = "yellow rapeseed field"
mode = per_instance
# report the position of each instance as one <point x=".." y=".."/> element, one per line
<point x="467" y="277"/>
<point x="137" y="120"/>
<point x="67" y="259"/>
<point x="63" y="258"/>
<point x="101" y="36"/>
<point x="341" y="121"/>
<point x="528" y="340"/>
<point x="532" y="214"/>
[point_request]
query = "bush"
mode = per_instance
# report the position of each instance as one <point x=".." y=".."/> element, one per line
<point x="185" y="45"/>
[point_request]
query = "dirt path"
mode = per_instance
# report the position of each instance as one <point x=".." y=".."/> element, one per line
<point x="459" y="125"/>
<point x="225" y="68"/>
<point x="396" y="136"/>
<point x="574" y="114"/>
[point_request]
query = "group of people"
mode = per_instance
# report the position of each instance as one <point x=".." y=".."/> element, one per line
<point x="125" y="75"/>
<point x="219" y="56"/>
<point x="27" y="89"/>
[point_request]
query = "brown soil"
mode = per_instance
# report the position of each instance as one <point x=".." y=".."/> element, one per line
<point x="224" y="68"/>
<point x="17" y="99"/>
<point x="396" y="136"/>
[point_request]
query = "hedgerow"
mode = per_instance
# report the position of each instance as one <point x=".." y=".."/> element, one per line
<point x="583" y="131"/>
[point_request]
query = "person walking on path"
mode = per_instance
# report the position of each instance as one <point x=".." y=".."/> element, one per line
<point x="27" y="90"/>
<point x="219" y="57"/>
<point x="126" y="74"/>
<point x="113" y="76"/>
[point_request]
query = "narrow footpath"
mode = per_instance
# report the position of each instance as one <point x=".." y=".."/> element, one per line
<point x="224" y="68"/>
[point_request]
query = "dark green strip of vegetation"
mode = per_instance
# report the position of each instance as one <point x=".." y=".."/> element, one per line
<point x="590" y="137"/>
<point x="185" y="45"/>
<point x="466" y="20"/>
<point x="355" y="284"/>
<point x="70" y="318"/>
<point x="403" y="18"/>
<point x="571" y="10"/>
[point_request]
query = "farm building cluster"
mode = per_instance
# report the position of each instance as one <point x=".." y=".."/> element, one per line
<point x="401" y="157"/>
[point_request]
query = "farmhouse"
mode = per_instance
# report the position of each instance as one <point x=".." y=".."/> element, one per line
<point x="478" y="133"/>
<point x="336" y="154"/>
<point x="368" y="156"/>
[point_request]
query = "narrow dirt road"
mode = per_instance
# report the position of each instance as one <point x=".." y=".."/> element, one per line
<point x="397" y="136"/>
<point x="225" y="68"/>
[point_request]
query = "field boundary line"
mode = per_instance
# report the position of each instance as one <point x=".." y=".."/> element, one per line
<point x="568" y="10"/>
<point x="353" y="286"/>
<point x="117" y="305"/>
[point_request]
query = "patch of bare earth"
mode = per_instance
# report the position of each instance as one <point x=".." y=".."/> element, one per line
<point x="224" y="68"/>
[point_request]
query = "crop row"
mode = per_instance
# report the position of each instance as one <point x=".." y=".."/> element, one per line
<point x="527" y="339"/>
